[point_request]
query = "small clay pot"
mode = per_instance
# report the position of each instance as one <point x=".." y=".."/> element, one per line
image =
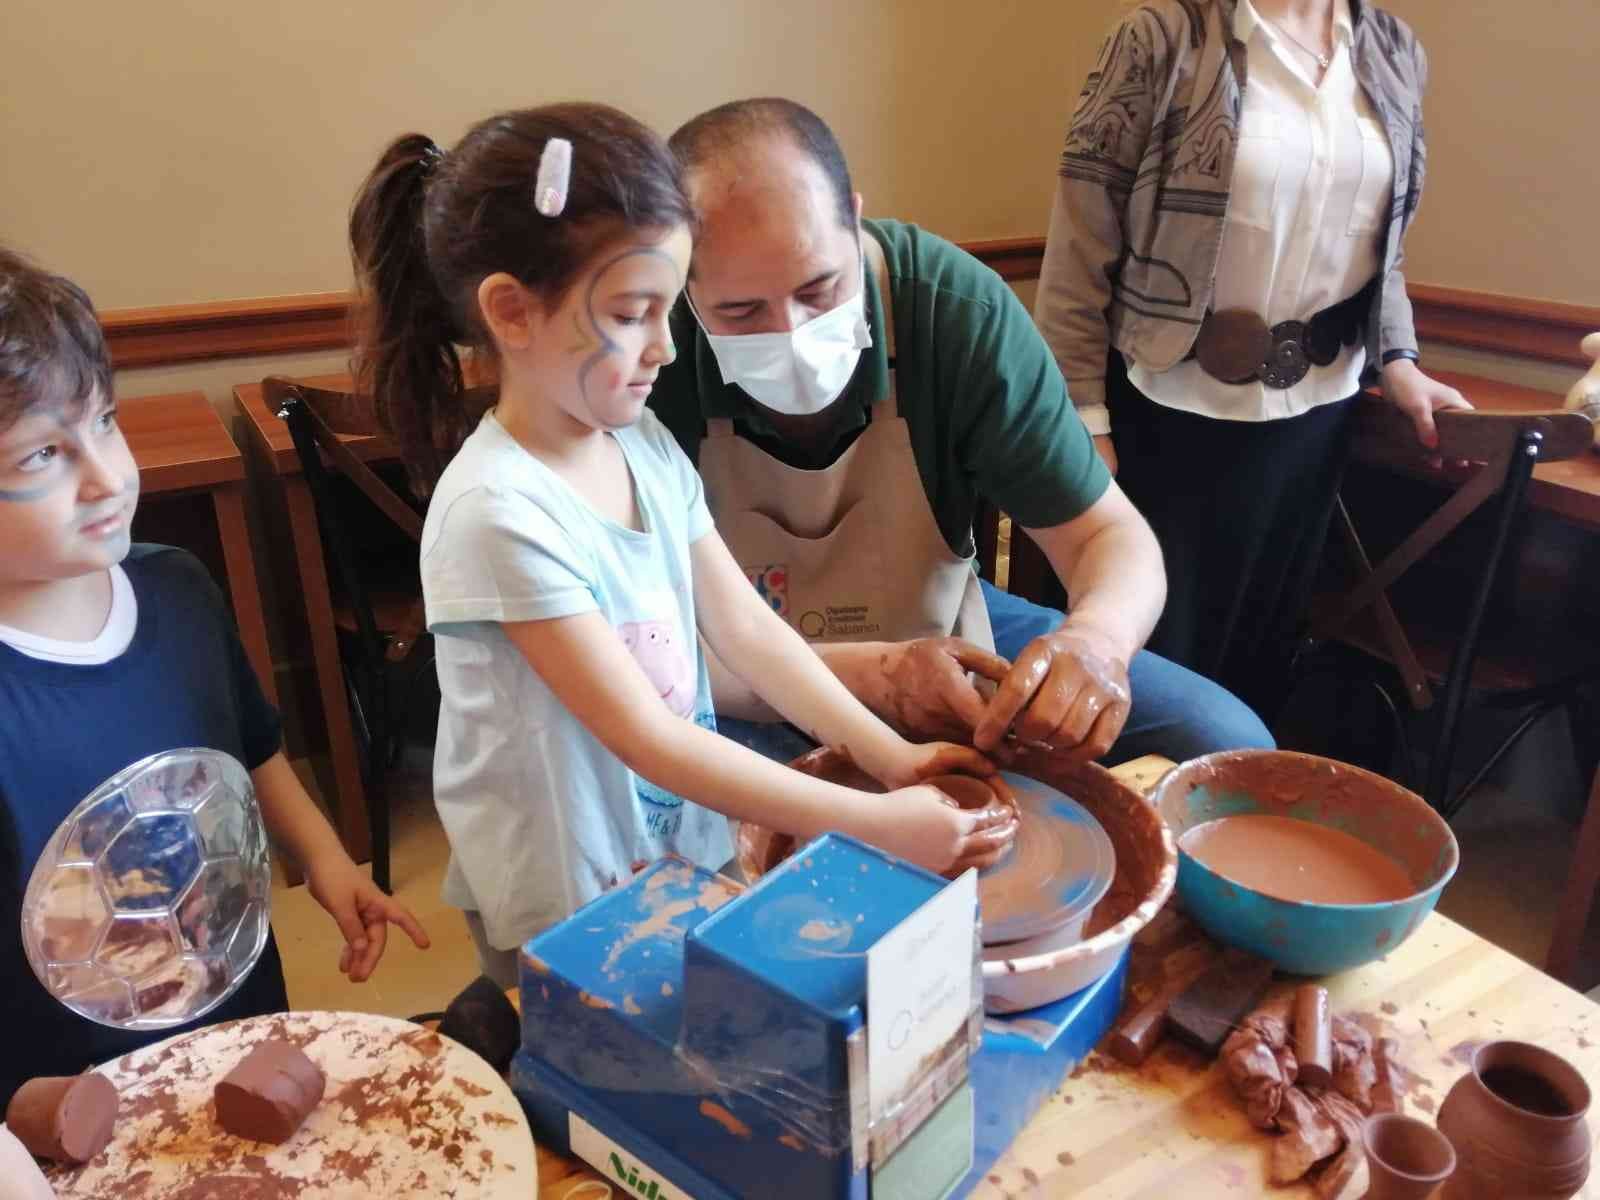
<point x="1407" y="1159"/>
<point x="1516" y="1121"/>
<point x="974" y="794"/>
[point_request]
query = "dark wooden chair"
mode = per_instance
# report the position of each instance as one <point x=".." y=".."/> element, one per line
<point x="385" y="653"/>
<point x="1417" y="656"/>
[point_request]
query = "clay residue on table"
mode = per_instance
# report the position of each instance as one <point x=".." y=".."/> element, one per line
<point x="1319" y="1128"/>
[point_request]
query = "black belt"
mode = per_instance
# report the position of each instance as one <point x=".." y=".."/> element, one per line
<point x="1238" y="346"/>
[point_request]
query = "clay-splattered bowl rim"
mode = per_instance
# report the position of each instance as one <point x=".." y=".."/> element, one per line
<point x="1174" y="787"/>
<point x="1108" y="940"/>
<point x="1114" y="936"/>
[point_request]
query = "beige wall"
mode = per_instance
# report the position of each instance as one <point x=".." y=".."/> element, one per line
<point x="1513" y="163"/>
<point x="179" y="151"/>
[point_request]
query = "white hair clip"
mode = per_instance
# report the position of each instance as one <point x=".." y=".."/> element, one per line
<point x="555" y="173"/>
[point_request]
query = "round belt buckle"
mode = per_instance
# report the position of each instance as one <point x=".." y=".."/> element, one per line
<point x="1286" y="363"/>
<point x="1231" y="344"/>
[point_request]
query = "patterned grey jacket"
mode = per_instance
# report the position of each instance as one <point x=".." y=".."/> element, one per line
<point x="1137" y="223"/>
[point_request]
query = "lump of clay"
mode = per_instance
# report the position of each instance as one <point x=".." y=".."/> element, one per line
<point x="65" y="1118"/>
<point x="271" y="1091"/>
<point x="483" y="1020"/>
<point x="20" y="1177"/>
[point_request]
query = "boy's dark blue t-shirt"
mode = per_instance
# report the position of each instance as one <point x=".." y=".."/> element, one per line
<point x="64" y="729"/>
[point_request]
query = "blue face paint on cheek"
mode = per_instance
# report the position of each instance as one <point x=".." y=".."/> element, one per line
<point x="26" y="495"/>
<point x="607" y="346"/>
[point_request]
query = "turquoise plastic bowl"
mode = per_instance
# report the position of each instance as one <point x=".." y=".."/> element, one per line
<point x="1304" y="938"/>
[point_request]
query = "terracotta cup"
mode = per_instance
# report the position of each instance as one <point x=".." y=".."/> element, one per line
<point x="1516" y="1120"/>
<point x="1407" y="1159"/>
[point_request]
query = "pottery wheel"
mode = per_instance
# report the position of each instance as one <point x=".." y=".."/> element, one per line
<point x="406" y="1113"/>
<point x="1056" y="871"/>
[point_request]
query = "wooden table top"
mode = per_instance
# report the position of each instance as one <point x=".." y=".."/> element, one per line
<point x="1570" y="489"/>
<point x="273" y="435"/>
<point x="1172" y="1127"/>
<point x="179" y="442"/>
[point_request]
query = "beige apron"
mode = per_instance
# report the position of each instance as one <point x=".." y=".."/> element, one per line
<point x="850" y="553"/>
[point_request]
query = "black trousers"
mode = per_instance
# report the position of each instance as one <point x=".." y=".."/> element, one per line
<point x="1241" y="509"/>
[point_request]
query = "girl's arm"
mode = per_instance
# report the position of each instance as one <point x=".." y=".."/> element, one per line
<point x="760" y="648"/>
<point x="358" y="905"/>
<point x="591" y="672"/>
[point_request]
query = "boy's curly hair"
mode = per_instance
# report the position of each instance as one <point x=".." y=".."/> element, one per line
<point x="52" y="350"/>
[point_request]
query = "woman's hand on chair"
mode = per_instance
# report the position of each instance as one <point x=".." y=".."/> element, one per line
<point x="1419" y="396"/>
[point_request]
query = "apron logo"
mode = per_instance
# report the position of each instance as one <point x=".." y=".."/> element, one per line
<point x="839" y="621"/>
<point x="772" y="584"/>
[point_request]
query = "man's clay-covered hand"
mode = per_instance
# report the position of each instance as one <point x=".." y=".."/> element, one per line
<point x="1067" y="690"/>
<point x="923" y="690"/>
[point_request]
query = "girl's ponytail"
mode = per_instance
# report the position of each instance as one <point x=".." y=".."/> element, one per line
<point x="406" y="356"/>
<point x="428" y="227"/>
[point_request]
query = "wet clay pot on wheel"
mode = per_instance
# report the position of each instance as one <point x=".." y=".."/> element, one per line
<point x="1516" y="1120"/>
<point x="1407" y="1159"/>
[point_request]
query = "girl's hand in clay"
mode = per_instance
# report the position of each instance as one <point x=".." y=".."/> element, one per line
<point x="922" y="825"/>
<point x="913" y="763"/>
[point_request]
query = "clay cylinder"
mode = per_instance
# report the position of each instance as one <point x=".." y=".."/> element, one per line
<point x="65" y="1118"/>
<point x="271" y="1091"/>
<point x="1406" y="1158"/>
<point x="1313" y="1036"/>
<point x="1516" y="1120"/>
<point x="1132" y="1041"/>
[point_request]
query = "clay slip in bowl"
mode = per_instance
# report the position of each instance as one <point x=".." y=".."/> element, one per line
<point x="1300" y="937"/>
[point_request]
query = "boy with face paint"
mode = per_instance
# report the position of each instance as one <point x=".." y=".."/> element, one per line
<point x="111" y="652"/>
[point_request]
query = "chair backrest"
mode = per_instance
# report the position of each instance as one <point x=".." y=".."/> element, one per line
<point x="318" y="420"/>
<point x="1507" y="446"/>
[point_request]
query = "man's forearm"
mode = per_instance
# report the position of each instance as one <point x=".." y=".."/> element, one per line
<point x="1116" y="582"/>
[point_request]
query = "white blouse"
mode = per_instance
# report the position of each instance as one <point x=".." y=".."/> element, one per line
<point x="1313" y="177"/>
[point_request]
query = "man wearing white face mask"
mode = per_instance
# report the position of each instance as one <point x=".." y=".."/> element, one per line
<point x="850" y="390"/>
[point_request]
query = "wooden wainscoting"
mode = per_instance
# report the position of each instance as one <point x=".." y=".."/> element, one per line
<point x="1544" y="330"/>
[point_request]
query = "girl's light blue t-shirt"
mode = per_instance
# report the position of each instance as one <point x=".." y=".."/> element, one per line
<point x="541" y="817"/>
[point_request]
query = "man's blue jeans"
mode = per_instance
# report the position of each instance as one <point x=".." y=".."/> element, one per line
<point x="1176" y="713"/>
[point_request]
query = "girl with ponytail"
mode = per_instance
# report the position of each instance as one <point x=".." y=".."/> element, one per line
<point x="569" y="564"/>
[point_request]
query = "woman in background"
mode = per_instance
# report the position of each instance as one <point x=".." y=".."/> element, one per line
<point x="1222" y="273"/>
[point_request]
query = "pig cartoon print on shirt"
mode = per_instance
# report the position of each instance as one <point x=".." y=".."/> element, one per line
<point x="658" y="647"/>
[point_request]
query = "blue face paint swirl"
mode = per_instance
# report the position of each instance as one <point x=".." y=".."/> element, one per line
<point x="607" y="346"/>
